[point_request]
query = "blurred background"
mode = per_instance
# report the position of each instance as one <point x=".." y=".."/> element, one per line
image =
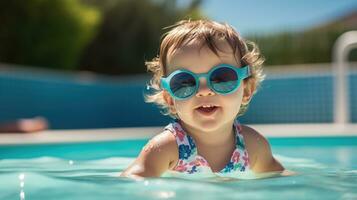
<point x="80" y="63"/>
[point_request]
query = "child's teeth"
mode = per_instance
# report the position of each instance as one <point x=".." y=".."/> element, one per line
<point x="207" y="106"/>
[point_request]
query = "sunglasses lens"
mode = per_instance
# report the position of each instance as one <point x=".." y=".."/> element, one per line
<point x="183" y="85"/>
<point x="224" y="80"/>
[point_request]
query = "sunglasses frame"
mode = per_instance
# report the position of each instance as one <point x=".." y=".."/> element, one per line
<point x="242" y="73"/>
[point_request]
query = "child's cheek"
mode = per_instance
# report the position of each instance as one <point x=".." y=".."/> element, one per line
<point x="183" y="108"/>
<point x="233" y="101"/>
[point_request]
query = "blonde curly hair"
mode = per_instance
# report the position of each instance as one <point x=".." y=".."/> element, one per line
<point x="205" y="33"/>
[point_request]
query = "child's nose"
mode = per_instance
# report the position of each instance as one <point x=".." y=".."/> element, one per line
<point x="204" y="90"/>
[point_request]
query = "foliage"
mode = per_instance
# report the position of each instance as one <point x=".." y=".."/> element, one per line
<point x="45" y="33"/>
<point x="118" y="36"/>
<point x="310" y="46"/>
<point x="130" y="34"/>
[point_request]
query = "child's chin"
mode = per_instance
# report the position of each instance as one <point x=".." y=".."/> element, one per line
<point x="208" y="124"/>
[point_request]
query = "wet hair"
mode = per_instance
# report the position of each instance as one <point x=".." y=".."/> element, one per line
<point x="205" y="33"/>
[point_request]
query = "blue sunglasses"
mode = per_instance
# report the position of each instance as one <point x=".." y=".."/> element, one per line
<point x="222" y="79"/>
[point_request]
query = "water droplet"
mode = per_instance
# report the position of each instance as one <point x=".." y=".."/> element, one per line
<point x="22" y="177"/>
<point x="146" y="183"/>
<point x="22" y="195"/>
<point x="166" y="194"/>
<point x="70" y="162"/>
<point x="22" y="184"/>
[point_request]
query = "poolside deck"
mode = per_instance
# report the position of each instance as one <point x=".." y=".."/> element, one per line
<point x="93" y="135"/>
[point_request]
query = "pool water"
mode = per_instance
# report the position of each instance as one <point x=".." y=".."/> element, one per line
<point x="326" y="169"/>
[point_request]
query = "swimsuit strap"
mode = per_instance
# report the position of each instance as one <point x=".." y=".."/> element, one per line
<point x="239" y="136"/>
<point x="185" y="143"/>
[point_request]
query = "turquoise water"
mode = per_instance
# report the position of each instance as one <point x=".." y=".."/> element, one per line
<point x="326" y="169"/>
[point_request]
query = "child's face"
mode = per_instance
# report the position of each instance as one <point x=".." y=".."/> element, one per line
<point x="190" y="111"/>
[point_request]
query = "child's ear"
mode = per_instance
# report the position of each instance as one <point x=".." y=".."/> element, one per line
<point x="249" y="88"/>
<point x="170" y="102"/>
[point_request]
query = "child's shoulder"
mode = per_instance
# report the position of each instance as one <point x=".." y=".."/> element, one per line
<point x="253" y="137"/>
<point x="164" y="140"/>
<point x="162" y="145"/>
<point x="158" y="155"/>
<point x="259" y="151"/>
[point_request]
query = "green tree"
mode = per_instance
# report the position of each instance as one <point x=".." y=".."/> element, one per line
<point x="130" y="33"/>
<point x="311" y="46"/>
<point x="45" y="33"/>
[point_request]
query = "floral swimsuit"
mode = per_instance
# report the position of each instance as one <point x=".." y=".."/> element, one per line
<point x="191" y="163"/>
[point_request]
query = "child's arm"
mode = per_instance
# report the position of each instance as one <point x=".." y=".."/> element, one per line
<point x="158" y="155"/>
<point x="260" y="155"/>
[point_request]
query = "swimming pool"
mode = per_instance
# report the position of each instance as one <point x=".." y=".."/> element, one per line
<point x="326" y="169"/>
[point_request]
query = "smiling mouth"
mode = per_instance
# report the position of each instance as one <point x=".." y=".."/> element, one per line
<point x="207" y="110"/>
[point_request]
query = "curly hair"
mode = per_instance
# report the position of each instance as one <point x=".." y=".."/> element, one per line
<point x="205" y="33"/>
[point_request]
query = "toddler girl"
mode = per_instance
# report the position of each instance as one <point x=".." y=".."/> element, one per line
<point x="204" y="77"/>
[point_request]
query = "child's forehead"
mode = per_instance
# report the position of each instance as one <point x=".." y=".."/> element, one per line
<point x="194" y="56"/>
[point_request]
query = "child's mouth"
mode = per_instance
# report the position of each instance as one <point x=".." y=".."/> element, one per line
<point x="207" y="110"/>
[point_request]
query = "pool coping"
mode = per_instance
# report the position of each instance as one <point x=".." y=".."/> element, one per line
<point x="108" y="134"/>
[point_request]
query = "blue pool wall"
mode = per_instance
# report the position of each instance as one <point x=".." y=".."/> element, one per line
<point x="73" y="101"/>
